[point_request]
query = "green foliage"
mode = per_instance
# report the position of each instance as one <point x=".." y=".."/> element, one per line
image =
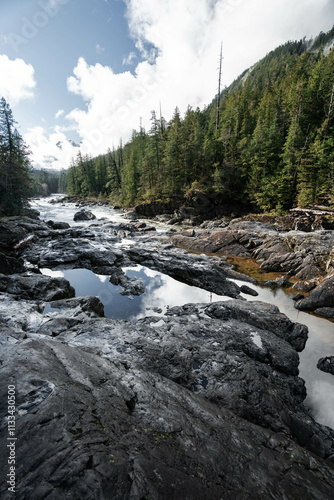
<point x="45" y="182"/>
<point x="15" y="182"/>
<point x="273" y="146"/>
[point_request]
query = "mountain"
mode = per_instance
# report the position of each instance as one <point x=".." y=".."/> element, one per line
<point x="273" y="148"/>
<point x="60" y="144"/>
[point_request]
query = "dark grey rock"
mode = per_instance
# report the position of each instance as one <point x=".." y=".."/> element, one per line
<point x="326" y="364"/>
<point x="10" y="265"/>
<point x="326" y="312"/>
<point x="106" y="411"/>
<point x="320" y="297"/>
<point x="298" y="296"/>
<point x="249" y="291"/>
<point x="283" y="281"/>
<point x="36" y="287"/>
<point x="83" y="215"/>
<point x="190" y="269"/>
<point x="204" y="402"/>
<point x="58" y="225"/>
<point x="131" y="286"/>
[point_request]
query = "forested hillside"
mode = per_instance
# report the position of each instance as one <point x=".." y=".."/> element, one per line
<point x="273" y="147"/>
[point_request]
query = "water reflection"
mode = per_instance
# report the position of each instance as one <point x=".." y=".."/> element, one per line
<point x="161" y="292"/>
<point x="320" y="385"/>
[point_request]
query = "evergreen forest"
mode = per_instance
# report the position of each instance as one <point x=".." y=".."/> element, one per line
<point x="267" y="144"/>
<point x="271" y="148"/>
<point x="15" y="181"/>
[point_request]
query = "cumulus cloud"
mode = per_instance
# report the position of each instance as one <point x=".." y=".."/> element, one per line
<point x="17" y="80"/>
<point x="179" y="42"/>
<point x="50" y="150"/>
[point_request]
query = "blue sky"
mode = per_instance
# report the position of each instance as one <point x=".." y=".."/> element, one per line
<point x="89" y="70"/>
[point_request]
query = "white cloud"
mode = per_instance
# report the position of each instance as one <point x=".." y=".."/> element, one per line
<point x="180" y="43"/>
<point x="17" y="80"/>
<point x="99" y="49"/>
<point x="59" y="113"/>
<point x="50" y="150"/>
<point x="130" y="58"/>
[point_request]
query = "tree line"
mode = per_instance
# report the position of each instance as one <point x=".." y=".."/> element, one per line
<point x="273" y="145"/>
<point x="15" y="182"/>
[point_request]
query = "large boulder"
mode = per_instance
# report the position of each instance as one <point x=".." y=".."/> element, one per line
<point x="83" y="215"/>
<point x="320" y="298"/>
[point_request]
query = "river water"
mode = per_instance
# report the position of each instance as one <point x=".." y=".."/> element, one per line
<point x="162" y="292"/>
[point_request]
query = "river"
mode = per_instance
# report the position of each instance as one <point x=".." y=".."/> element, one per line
<point x="162" y="292"/>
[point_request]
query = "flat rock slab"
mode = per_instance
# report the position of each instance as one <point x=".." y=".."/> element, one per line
<point x="92" y="428"/>
<point x="36" y="286"/>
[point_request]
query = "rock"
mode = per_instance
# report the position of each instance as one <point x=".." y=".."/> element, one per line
<point x="249" y="291"/>
<point x="321" y="296"/>
<point x="131" y="286"/>
<point x="193" y="270"/>
<point x="36" y="286"/>
<point x="298" y="296"/>
<point x="303" y="224"/>
<point x="263" y="316"/>
<point x="90" y="304"/>
<point x="132" y="215"/>
<point x="154" y="208"/>
<point x="83" y="215"/>
<point x="278" y="282"/>
<point x="204" y="402"/>
<point x="306" y="286"/>
<point x="326" y="364"/>
<point x="31" y="213"/>
<point x="326" y="312"/>
<point x="94" y="428"/>
<point x="58" y="225"/>
<point x="11" y="234"/>
<point x="10" y="265"/>
<point x="219" y="241"/>
<point x="69" y="251"/>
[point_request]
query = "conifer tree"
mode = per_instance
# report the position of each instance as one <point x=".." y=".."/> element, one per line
<point x="15" y="181"/>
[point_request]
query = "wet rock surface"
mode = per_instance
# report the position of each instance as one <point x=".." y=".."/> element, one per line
<point x="320" y="297"/>
<point x="307" y="256"/>
<point x="170" y="408"/>
<point x="36" y="286"/>
<point x="203" y="402"/>
<point x="326" y="364"/>
<point x="83" y="215"/>
<point x="194" y="270"/>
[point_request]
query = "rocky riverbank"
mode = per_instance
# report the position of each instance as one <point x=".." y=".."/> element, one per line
<point x="204" y="402"/>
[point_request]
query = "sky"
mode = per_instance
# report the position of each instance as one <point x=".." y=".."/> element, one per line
<point x="83" y="74"/>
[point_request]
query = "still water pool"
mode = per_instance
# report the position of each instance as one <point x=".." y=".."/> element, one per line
<point x="162" y="292"/>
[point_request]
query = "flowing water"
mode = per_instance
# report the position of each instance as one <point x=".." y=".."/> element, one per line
<point x="162" y="292"/>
